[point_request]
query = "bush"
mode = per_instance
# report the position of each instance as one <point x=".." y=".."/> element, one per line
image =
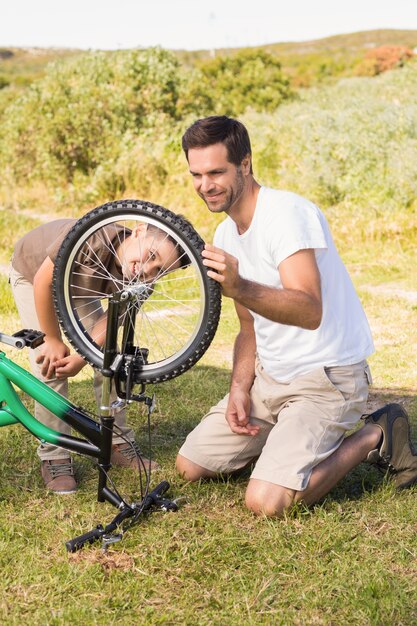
<point x="382" y="59"/>
<point x="90" y="127"/>
<point x="75" y="118"/>
<point x="229" y="85"/>
<point x="351" y="149"/>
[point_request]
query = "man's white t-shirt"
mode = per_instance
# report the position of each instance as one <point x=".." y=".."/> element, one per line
<point x="284" y="223"/>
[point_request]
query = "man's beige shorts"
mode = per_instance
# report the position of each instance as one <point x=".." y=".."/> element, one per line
<point x="302" y="422"/>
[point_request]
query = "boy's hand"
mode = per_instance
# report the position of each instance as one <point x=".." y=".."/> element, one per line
<point x="69" y="366"/>
<point x="51" y="351"/>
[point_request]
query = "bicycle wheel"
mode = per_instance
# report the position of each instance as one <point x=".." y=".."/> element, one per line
<point x="137" y="245"/>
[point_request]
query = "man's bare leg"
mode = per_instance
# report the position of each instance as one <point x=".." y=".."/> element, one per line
<point x="272" y="500"/>
<point x="266" y="498"/>
<point x="191" y="471"/>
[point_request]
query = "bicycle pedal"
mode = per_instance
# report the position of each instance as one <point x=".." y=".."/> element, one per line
<point x="30" y="338"/>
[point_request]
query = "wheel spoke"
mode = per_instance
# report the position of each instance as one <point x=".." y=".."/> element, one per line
<point x="174" y="314"/>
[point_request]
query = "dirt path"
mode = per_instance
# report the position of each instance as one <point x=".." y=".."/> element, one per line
<point x="42" y="216"/>
<point x="390" y="290"/>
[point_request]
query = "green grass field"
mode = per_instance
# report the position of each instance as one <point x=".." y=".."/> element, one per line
<point x="349" y="560"/>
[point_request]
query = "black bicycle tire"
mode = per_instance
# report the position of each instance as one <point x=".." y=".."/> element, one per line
<point x="173" y="224"/>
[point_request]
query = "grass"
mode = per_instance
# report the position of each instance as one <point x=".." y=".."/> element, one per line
<point x="349" y="560"/>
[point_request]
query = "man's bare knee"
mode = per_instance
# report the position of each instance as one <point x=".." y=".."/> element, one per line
<point x="265" y="498"/>
<point x="191" y="471"/>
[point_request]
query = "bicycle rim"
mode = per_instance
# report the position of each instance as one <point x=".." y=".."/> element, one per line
<point x="177" y="311"/>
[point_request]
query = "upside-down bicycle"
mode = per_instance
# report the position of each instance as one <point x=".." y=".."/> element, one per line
<point x="135" y="332"/>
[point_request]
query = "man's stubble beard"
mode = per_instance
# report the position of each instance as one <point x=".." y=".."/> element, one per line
<point x="232" y="195"/>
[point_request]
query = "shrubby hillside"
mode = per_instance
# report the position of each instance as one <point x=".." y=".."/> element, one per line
<point x="306" y="63"/>
<point x="75" y="123"/>
<point x="350" y="146"/>
<point x="107" y="125"/>
<point x="72" y="121"/>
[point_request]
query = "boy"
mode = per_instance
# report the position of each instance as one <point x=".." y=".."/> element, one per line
<point x="144" y="254"/>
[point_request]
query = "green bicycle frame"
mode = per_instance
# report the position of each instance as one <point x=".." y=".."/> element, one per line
<point x="13" y="411"/>
<point x="97" y="438"/>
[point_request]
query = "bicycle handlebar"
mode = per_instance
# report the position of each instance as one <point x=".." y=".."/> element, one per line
<point x="152" y="499"/>
<point x="77" y="543"/>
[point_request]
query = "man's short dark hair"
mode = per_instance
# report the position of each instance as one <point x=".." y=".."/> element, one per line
<point x="219" y="129"/>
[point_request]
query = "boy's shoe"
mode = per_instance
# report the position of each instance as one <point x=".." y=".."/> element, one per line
<point x="128" y="455"/>
<point x="396" y="452"/>
<point x="58" y="475"/>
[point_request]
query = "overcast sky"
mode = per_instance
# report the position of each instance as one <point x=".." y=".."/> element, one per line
<point x="192" y="24"/>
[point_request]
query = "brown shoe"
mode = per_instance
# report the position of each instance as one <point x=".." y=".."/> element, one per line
<point x="58" y="475"/>
<point x="396" y="452"/>
<point x="128" y="455"/>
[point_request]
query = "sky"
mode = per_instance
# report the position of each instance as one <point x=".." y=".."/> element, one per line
<point x="192" y="24"/>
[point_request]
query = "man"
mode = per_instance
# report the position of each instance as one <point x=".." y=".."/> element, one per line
<point x="145" y="253"/>
<point x="300" y="377"/>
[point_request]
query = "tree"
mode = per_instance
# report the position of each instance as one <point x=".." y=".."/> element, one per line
<point x="77" y="116"/>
